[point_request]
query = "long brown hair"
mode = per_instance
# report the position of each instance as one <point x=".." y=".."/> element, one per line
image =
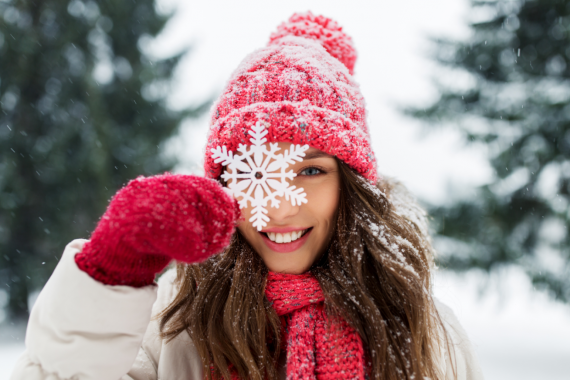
<point x="375" y="274"/>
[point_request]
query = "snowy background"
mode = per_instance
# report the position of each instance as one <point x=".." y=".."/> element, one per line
<point x="518" y="333"/>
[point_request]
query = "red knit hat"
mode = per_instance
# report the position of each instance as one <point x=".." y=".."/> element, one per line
<point x="300" y="87"/>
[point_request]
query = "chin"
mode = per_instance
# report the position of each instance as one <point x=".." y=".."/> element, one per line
<point x="290" y="263"/>
<point x="287" y="268"/>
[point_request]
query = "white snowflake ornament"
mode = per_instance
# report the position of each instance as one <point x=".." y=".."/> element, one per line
<point x="261" y="172"/>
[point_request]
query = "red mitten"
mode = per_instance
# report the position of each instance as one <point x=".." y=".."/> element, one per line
<point x="153" y="220"/>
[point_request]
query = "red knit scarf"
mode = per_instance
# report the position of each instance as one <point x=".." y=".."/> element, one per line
<point x="313" y="350"/>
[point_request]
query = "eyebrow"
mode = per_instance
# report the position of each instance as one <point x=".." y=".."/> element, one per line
<point x="315" y="154"/>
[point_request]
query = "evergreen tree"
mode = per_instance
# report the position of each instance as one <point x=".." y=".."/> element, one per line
<point x="518" y="104"/>
<point x="82" y="112"/>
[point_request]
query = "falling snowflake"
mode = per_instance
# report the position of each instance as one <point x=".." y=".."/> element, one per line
<point x="261" y="172"/>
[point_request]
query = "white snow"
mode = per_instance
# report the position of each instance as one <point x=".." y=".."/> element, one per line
<point x="518" y="333"/>
<point x="11" y="347"/>
<point x="9" y="353"/>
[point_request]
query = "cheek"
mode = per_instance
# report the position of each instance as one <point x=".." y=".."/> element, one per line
<point x="323" y="203"/>
<point x="249" y="233"/>
<point x="245" y="227"/>
<point x="245" y="215"/>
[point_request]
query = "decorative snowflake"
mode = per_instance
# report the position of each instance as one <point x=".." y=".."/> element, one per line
<point x="261" y="172"/>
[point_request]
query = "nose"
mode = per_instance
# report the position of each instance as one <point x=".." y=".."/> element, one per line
<point x="285" y="210"/>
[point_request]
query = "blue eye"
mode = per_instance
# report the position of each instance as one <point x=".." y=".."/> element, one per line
<point x="311" y="171"/>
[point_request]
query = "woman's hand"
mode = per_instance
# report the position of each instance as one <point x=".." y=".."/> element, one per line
<point x="154" y="220"/>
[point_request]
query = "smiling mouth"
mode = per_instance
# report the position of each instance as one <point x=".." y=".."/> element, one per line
<point x="286" y="237"/>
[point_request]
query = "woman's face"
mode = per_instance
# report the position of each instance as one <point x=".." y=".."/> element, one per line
<point x="296" y="236"/>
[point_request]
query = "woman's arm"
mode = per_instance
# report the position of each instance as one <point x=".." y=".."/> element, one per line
<point x="81" y="328"/>
<point x="160" y="360"/>
<point x="90" y="318"/>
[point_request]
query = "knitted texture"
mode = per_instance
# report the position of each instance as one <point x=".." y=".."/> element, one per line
<point x="299" y="88"/>
<point x="154" y="220"/>
<point x="323" y="30"/>
<point x="316" y="347"/>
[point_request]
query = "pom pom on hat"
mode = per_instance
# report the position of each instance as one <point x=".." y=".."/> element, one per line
<point x="322" y="30"/>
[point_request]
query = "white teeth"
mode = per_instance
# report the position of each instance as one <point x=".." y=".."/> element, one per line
<point x="285" y="237"/>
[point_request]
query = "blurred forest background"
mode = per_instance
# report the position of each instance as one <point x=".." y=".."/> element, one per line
<point x="83" y="111"/>
<point x="514" y="98"/>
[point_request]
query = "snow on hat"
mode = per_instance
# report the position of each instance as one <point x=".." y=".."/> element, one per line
<point x="300" y="88"/>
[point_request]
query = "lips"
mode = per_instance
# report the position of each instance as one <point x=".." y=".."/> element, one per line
<point x="286" y="247"/>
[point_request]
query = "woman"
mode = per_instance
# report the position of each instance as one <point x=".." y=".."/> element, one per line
<point x="327" y="275"/>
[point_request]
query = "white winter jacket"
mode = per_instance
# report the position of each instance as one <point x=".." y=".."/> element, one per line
<point x="82" y="329"/>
